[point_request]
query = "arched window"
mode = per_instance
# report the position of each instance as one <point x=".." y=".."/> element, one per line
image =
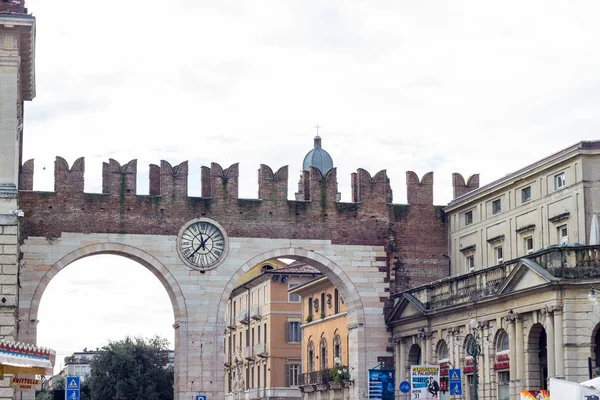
<point x="310" y="355"/>
<point x="323" y="354"/>
<point x="337" y="348"/>
<point x="503" y="343"/>
<point x="336" y="301"/>
<point x="443" y="353"/>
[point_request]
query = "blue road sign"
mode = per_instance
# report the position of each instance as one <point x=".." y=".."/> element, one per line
<point x="404" y="387"/>
<point x="455" y="382"/>
<point x="72" y="394"/>
<point x="72" y="382"/>
<point x="201" y="397"/>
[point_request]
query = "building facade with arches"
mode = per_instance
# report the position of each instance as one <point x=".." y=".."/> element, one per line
<point x="524" y="253"/>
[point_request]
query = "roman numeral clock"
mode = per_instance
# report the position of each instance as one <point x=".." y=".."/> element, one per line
<point x="202" y="244"/>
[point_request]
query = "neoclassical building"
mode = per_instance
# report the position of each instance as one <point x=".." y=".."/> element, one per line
<point x="523" y="255"/>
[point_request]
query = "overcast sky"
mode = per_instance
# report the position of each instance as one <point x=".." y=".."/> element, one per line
<point x="463" y="86"/>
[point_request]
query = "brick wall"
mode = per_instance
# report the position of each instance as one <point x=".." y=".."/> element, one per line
<point x="414" y="235"/>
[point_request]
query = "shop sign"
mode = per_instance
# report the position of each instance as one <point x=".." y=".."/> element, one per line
<point x="26" y="383"/>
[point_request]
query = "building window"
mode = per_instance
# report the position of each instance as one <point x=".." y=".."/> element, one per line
<point x="337" y="349"/>
<point x="322" y="305"/>
<point x="258" y="296"/>
<point x="323" y="354"/>
<point x="293" y="297"/>
<point x="560" y="181"/>
<point x="293" y="332"/>
<point x="496" y="206"/>
<point x="499" y="255"/>
<point x="470" y="391"/>
<point x="468" y="217"/>
<point x="336" y="301"/>
<point x="503" y="342"/>
<point x="470" y="260"/>
<point x="563" y="236"/>
<point x="503" y="385"/>
<point x="311" y="356"/>
<point x="528" y="245"/>
<point x="526" y="194"/>
<point x="291" y="374"/>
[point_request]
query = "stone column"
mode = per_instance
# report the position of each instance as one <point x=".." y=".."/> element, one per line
<point x="558" y="342"/>
<point x="510" y="319"/>
<point x="520" y="346"/>
<point x="548" y="312"/>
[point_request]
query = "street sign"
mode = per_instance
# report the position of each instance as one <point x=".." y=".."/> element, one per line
<point x="455" y="382"/>
<point x="72" y="384"/>
<point x="201" y="397"/>
<point x="404" y="387"/>
<point x="72" y="394"/>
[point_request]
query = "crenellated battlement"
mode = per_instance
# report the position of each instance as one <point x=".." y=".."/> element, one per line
<point x="419" y="191"/>
<point x="410" y="232"/>
<point x="459" y="187"/>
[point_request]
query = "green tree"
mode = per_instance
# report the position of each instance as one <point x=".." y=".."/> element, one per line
<point x="132" y="369"/>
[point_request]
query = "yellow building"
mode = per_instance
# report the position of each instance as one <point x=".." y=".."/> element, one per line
<point x="262" y="339"/>
<point x="324" y="340"/>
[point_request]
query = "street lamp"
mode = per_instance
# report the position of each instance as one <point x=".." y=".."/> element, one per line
<point x="474" y="350"/>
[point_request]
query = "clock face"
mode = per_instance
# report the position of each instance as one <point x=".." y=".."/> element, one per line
<point x="202" y="244"/>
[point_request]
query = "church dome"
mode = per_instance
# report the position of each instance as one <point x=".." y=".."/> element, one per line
<point x="317" y="158"/>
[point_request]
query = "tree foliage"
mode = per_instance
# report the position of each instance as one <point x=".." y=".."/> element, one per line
<point x="132" y="369"/>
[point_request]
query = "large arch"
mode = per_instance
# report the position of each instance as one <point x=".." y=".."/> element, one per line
<point x="34" y="282"/>
<point x="358" y="356"/>
<point x="199" y="298"/>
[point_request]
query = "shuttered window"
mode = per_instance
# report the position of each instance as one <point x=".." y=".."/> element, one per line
<point x="291" y="374"/>
<point x="293" y="332"/>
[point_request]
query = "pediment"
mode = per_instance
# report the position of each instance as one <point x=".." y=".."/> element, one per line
<point x="406" y="306"/>
<point x="527" y="274"/>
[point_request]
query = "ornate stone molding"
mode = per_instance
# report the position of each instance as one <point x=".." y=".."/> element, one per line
<point x="424" y="333"/>
<point x="511" y="316"/>
<point x="549" y="310"/>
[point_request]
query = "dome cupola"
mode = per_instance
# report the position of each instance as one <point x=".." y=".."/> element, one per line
<point x="318" y="158"/>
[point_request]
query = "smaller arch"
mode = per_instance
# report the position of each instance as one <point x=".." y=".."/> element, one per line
<point x="414" y="355"/>
<point x="310" y="355"/>
<point x="442" y="351"/>
<point x="323" y="353"/>
<point x="337" y="347"/>
<point x="502" y="341"/>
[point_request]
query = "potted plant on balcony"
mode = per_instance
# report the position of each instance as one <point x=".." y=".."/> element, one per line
<point x="340" y="374"/>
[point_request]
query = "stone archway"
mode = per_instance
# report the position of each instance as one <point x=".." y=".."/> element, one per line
<point x="35" y="280"/>
<point x="361" y="353"/>
<point x="199" y="298"/>
<point x="537" y="358"/>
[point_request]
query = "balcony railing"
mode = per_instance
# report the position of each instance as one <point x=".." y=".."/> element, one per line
<point x="311" y="378"/>
<point x="325" y="377"/>
<point x="230" y="322"/>
<point x="243" y="318"/>
<point x="255" y="313"/>
<point x="262" y="350"/>
<point x="249" y="353"/>
<point x="566" y="262"/>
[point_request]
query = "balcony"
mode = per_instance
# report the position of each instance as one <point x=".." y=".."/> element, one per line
<point x="230" y="323"/>
<point x="573" y="262"/>
<point x="262" y="350"/>
<point x="249" y="353"/>
<point x="243" y="318"/>
<point x="329" y="379"/>
<point x="255" y="313"/>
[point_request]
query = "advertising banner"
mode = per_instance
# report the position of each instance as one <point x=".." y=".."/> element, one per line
<point x="381" y="384"/>
<point x="26" y="383"/>
<point x="425" y="382"/>
<point x="536" y="395"/>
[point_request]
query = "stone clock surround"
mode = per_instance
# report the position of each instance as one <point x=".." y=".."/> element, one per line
<point x="199" y="298"/>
